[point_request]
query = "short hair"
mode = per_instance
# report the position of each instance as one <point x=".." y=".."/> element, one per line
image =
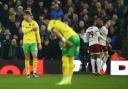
<point x="27" y="12"/>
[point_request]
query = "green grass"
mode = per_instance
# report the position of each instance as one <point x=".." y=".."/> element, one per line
<point x="80" y="81"/>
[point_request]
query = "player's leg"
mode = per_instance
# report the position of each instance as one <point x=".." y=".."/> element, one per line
<point x="65" y="65"/>
<point x="98" y="54"/>
<point x="74" y="51"/>
<point x="92" y="58"/>
<point x="98" y="63"/>
<point x="104" y="60"/>
<point x="93" y="61"/>
<point x="65" y="70"/>
<point x="27" y="59"/>
<point x="71" y="66"/>
<point x="27" y="66"/>
<point x="34" y="51"/>
<point x="67" y="52"/>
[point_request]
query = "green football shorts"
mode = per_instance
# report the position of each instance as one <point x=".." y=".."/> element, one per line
<point x="29" y="48"/>
<point x="74" y="49"/>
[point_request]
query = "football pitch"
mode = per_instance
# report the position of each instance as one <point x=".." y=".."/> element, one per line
<point x="80" y="81"/>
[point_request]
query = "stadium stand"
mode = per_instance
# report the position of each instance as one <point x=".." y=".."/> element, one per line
<point x="77" y="13"/>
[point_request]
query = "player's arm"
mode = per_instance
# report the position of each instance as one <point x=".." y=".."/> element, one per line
<point x="24" y="29"/>
<point x="38" y="36"/>
<point x="38" y="39"/>
<point x="58" y="34"/>
<point x="100" y="36"/>
<point x="37" y="33"/>
<point x="105" y="30"/>
<point x="86" y="37"/>
<point x="108" y="42"/>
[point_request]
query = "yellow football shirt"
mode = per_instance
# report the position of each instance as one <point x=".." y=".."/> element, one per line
<point x="29" y="35"/>
<point x="63" y="28"/>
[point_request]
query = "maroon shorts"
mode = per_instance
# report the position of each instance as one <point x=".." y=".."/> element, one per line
<point x="95" y="49"/>
<point x="104" y="48"/>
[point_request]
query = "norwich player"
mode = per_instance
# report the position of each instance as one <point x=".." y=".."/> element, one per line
<point x="70" y="50"/>
<point x="31" y="38"/>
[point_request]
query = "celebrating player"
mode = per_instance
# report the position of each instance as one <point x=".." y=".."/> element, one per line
<point x="31" y="38"/>
<point x="70" y="50"/>
<point x="93" y="36"/>
<point x="104" y="33"/>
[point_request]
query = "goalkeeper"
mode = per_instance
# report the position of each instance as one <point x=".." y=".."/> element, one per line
<point x="31" y="42"/>
<point x="70" y="50"/>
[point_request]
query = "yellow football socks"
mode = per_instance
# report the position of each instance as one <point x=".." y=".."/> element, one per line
<point x="35" y="61"/>
<point x="68" y="65"/>
<point x="27" y="65"/>
<point x="65" y="66"/>
<point x="71" y="66"/>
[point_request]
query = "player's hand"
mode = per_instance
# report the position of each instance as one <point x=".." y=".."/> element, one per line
<point x="35" y="28"/>
<point x="110" y="47"/>
<point x="40" y="46"/>
<point x="68" y="43"/>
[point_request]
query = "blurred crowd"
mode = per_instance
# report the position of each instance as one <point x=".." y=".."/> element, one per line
<point x="79" y="14"/>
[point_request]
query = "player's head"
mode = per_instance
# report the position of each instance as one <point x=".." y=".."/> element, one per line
<point x="99" y="23"/>
<point x="27" y="15"/>
<point x="93" y="22"/>
<point x="108" y="23"/>
<point x="46" y="21"/>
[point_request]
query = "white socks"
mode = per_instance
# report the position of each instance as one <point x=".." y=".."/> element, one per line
<point x="93" y="65"/>
<point x="98" y="63"/>
<point x="105" y="58"/>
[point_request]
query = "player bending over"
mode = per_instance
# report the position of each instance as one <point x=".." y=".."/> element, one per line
<point x="70" y="50"/>
<point x="31" y="38"/>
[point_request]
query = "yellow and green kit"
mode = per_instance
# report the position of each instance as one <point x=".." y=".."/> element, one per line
<point x="30" y="37"/>
<point x="68" y="33"/>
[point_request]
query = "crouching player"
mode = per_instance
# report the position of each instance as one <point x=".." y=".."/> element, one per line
<point x="70" y="50"/>
<point x="31" y="38"/>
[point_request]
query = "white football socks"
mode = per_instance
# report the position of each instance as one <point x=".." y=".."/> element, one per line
<point x="105" y="58"/>
<point x="98" y="63"/>
<point x="93" y="65"/>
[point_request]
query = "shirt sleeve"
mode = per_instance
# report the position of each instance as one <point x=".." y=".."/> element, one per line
<point x="51" y="25"/>
<point x="37" y="33"/>
<point x="99" y="35"/>
<point x="104" y="30"/>
<point x="86" y="38"/>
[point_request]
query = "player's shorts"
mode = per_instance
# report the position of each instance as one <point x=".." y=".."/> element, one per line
<point x="95" y="49"/>
<point x="104" y="48"/>
<point x="74" y="49"/>
<point x="29" y="48"/>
